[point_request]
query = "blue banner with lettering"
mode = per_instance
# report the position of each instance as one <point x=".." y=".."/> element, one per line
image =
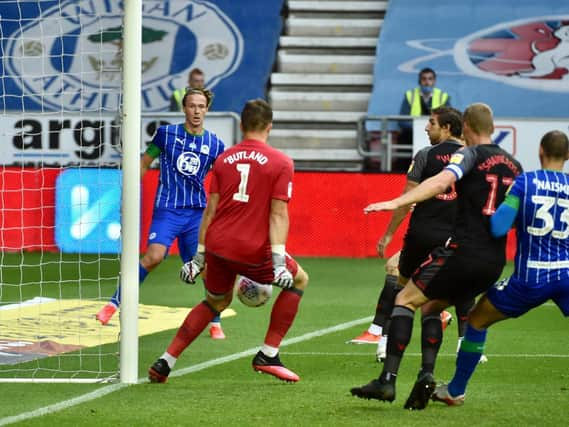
<point x="66" y="55"/>
<point x="511" y="54"/>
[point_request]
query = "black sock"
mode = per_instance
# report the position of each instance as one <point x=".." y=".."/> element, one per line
<point x="431" y="339"/>
<point x="386" y="300"/>
<point x="399" y="337"/>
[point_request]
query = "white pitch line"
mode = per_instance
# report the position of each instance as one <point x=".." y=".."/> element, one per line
<point x="46" y="410"/>
<point x="489" y="355"/>
<point x="62" y="405"/>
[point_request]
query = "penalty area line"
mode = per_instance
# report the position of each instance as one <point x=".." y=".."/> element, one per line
<point x="87" y="397"/>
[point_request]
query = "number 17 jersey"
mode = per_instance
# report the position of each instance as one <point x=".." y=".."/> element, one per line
<point x="247" y="177"/>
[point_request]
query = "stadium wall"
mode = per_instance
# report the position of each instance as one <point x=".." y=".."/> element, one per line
<point x="326" y="212"/>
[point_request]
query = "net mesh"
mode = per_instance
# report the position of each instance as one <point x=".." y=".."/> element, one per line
<point x="60" y="182"/>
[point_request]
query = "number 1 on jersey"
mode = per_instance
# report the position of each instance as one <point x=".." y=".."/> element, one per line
<point x="241" y="195"/>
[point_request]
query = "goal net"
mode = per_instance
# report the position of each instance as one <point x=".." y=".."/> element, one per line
<point x="60" y="188"/>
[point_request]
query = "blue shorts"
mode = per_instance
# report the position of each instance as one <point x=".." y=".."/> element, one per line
<point x="513" y="297"/>
<point x="167" y="224"/>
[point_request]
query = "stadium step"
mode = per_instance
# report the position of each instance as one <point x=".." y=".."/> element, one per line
<point x="328" y="42"/>
<point x="322" y="154"/>
<point x="318" y="80"/>
<point x="337" y="6"/>
<point x="333" y="27"/>
<point x="318" y="116"/>
<point x="351" y="64"/>
<point x="325" y="159"/>
<point x="319" y="101"/>
<point x="295" y="138"/>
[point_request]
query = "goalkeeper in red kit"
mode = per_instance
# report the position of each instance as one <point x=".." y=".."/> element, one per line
<point x="243" y="232"/>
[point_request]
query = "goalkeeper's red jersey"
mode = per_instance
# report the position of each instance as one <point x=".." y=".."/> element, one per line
<point x="247" y="177"/>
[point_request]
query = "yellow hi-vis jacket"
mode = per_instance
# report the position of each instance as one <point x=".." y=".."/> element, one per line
<point x="438" y="99"/>
<point x="178" y="96"/>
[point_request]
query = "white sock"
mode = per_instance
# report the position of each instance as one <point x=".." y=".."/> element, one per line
<point x="267" y="350"/>
<point x="171" y="360"/>
<point x="375" y="329"/>
<point x="218" y="324"/>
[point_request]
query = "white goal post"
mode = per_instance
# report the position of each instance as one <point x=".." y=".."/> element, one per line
<point x="131" y="190"/>
<point x="69" y="188"/>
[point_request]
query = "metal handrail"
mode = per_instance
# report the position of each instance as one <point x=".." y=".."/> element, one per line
<point x="388" y="151"/>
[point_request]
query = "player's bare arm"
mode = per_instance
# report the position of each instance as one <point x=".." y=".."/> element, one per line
<point x="278" y="232"/>
<point x="192" y="269"/>
<point x="427" y="189"/>
<point x="207" y="217"/>
<point x="396" y="220"/>
<point x="145" y="162"/>
<point x="279" y="222"/>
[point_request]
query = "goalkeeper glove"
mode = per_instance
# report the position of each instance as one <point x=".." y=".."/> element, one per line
<point x="283" y="278"/>
<point x="192" y="269"/>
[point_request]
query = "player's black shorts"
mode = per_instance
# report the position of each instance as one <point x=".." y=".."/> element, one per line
<point x="416" y="249"/>
<point x="456" y="274"/>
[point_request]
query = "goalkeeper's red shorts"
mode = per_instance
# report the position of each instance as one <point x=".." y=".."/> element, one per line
<point x="221" y="272"/>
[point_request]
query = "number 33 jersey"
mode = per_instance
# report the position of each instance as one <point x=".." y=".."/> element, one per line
<point x="247" y="178"/>
<point x="543" y="225"/>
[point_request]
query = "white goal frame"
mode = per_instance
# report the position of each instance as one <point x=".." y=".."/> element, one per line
<point x="132" y="76"/>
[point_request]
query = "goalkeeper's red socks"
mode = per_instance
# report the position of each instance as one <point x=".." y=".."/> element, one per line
<point x="283" y="314"/>
<point x="196" y="321"/>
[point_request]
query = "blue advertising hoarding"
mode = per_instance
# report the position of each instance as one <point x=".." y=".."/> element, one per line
<point x="511" y="54"/>
<point x="67" y="54"/>
<point x="88" y="211"/>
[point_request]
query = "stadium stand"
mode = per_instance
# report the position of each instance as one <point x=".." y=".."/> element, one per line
<point x="322" y="80"/>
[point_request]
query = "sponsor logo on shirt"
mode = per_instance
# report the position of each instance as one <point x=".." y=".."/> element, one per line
<point x="188" y="163"/>
<point x="456" y="158"/>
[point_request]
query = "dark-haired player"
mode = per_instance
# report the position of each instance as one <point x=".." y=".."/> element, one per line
<point x="430" y="226"/>
<point x="472" y="259"/>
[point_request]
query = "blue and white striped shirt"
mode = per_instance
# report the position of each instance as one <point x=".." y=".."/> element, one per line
<point x="185" y="159"/>
<point x="542" y="223"/>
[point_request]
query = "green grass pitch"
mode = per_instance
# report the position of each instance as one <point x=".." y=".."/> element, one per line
<point x="525" y="382"/>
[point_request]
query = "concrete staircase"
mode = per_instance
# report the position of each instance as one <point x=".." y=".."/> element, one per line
<point x="323" y="80"/>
